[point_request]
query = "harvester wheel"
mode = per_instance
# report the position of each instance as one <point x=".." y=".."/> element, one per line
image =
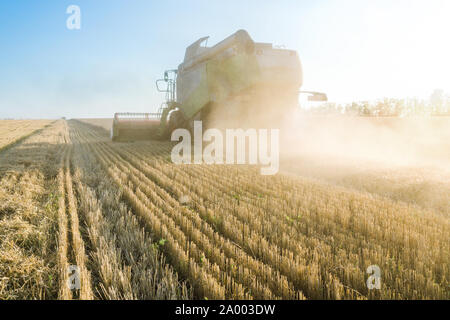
<point x="176" y="120"/>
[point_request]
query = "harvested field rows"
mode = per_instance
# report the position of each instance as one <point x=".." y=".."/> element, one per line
<point x="127" y="223"/>
<point x="235" y="234"/>
<point x="61" y="220"/>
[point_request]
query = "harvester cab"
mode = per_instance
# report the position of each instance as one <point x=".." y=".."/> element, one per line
<point x="168" y="85"/>
<point x="237" y="81"/>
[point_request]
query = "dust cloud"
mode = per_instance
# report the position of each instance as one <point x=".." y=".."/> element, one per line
<point x="402" y="159"/>
<point x="383" y="141"/>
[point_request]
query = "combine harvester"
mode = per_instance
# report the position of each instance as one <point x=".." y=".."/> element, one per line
<point x="236" y="83"/>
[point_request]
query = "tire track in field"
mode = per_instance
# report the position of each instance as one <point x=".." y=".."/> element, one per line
<point x="70" y="251"/>
<point x="63" y="237"/>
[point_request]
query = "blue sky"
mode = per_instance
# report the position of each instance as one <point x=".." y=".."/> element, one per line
<point x="351" y="49"/>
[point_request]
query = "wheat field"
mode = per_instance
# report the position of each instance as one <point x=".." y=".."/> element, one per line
<point x="12" y="131"/>
<point x="138" y="226"/>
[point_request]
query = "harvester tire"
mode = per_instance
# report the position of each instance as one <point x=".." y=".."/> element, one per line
<point x="176" y="121"/>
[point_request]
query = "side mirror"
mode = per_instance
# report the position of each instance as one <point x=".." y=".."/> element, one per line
<point x="163" y="88"/>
